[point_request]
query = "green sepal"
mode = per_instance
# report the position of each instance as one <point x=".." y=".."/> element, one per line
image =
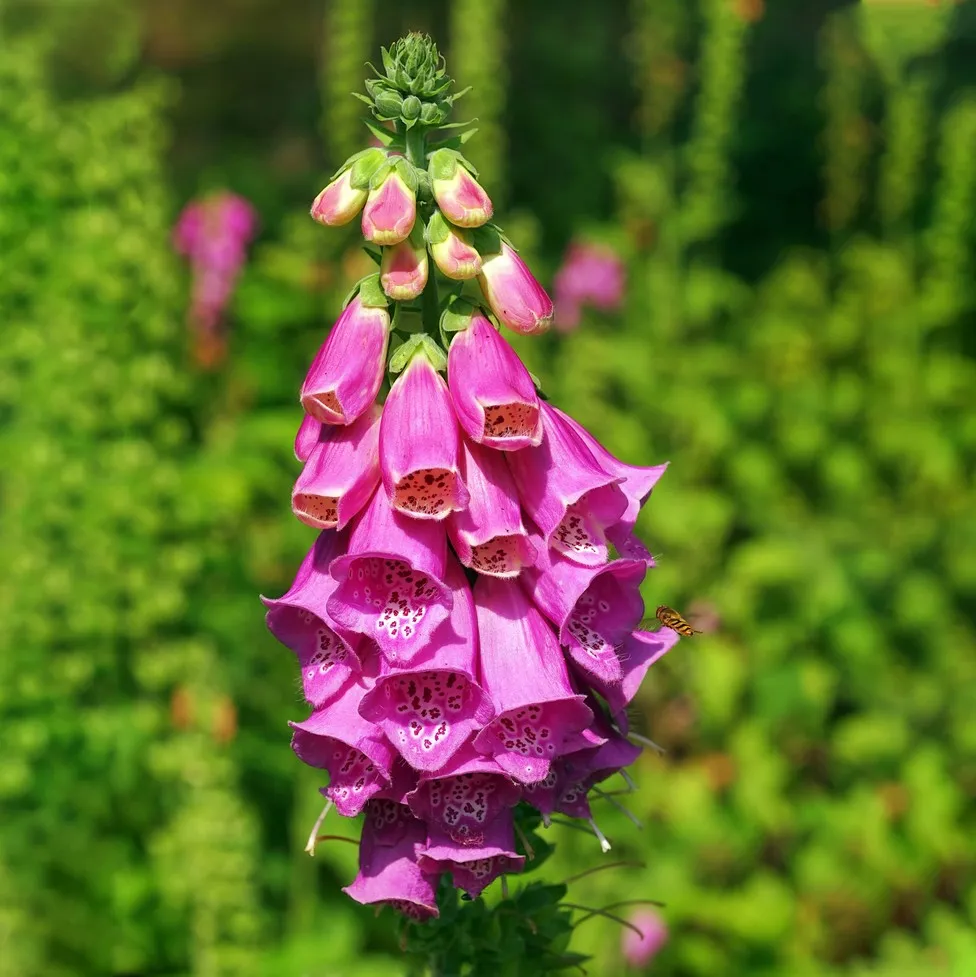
<point x="438" y="230"/>
<point x="487" y="239"/>
<point x="455" y="142"/>
<point x="349" y="163"/>
<point x="406" y="171"/>
<point x="371" y="293"/>
<point x="419" y="344"/>
<point x="442" y="164"/>
<point x="369" y="160"/>
<point x="425" y="189"/>
<point x="381" y="173"/>
<point x="535" y="380"/>
<point x="456" y="317"/>
<point x="408" y="320"/>
<point x="386" y="137"/>
<point x="374" y="252"/>
<point x="354" y="291"/>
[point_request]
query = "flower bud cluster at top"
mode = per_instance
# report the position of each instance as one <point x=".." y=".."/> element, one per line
<point x="467" y="622"/>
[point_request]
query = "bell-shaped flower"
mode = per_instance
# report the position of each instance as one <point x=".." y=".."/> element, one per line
<point x="301" y="622"/>
<point x="523" y="670"/>
<point x="493" y="393"/>
<point x="391" y="207"/>
<point x="594" y="608"/>
<point x="344" y="197"/>
<point x="419" y="440"/>
<point x="636" y="653"/>
<point x="567" y="494"/>
<point x="511" y="290"/>
<point x="356" y="754"/>
<point x="640" y="948"/>
<point x="474" y="868"/>
<point x="489" y="535"/>
<point x="340" y="475"/>
<point x="403" y="269"/>
<point x="307" y="437"/>
<point x="460" y="197"/>
<point x="430" y="709"/>
<point x="391" y="581"/>
<point x="347" y="371"/>
<point x="389" y="873"/>
<point x="462" y="799"/>
<point x="452" y="250"/>
<point x="636" y="482"/>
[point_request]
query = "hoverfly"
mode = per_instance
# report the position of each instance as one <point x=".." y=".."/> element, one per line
<point x="670" y="618"/>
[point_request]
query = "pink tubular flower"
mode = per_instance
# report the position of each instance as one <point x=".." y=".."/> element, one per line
<point x="512" y="291"/>
<point x="391" y="585"/>
<point x="356" y="754"/>
<point x="213" y="233"/>
<point x="307" y="437"/>
<point x="388" y="871"/>
<point x="344" y="197"/>
<point x="639" y="950"/>
<point x="636" y="482"/>
<point x="403" y="271"/>
<point x="524" y="673"/>
<point x="462" y="799"/>
<point x="429" y="710"/>
<point x="567" y="494"/>
<point x="493" y="393"/>
<point x="636" y="653"/>
<point x="474" y="868"/>
<point x="458" y="194"/>
<point x="419" y="442"/>
<point x="340" y="474"/>
<point x="591" y="275"/>
<point x="301" y="622"/>
<point x="346" y="374"/>
<point x="488" y="535"/>
<point x="453" y="252"/>
<point x="594" y="608"/>
<point x="391" y="207"/>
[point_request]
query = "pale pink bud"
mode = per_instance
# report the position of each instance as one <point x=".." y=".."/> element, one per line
<point x="458" y="194"/>
<point x="391" y="207"/>
<point x="513" y="293"/>
<point x="344" y="197"/>
<point x="452" y="250"/>
<point x="403" y="271"/>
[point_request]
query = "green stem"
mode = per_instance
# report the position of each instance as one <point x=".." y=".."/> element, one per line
<point x="416" y="140"/>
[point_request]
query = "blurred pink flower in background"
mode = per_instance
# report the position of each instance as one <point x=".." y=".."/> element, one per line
<point x="638" y="950"/>
<point x="213" y="233"/>
<point x="591" y="274"/>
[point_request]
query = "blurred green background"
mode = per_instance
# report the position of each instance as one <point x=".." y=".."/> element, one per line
<point x="793" y="188"/>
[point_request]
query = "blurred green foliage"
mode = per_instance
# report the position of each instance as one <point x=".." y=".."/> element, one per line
<point x="793" y="193"/>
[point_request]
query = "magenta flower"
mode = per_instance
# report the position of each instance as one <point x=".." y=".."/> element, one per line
<point x="391" y="207"/>
<point x="458" y="194"/>
<point x="389" y="873"/>
<point x="512" y="291"/>
<point x="594" y="608"/>
<point x="301" y="622"/>
<point x="638" y="951"/>
<point x="403" y="271"/>
<point x="429" y="710"/>
<point x="461" y="800"/>
<point x="493" y="394"/>
<point x="590" y="275"/>
<point x="453" y="252"/>
<point x="474" y="868"/>
<point x="344" y="197"/>
<point x="419" y="444"/>
<point x="346" y="374"/>
<point x="307" y="437"/>
<point x="488" y="535"/>
<point x="391" y="581"/>
<point x="340" y="474"/>
<point x="567" y="494"/>
<point x="524" y="672"/>
<point x="213" y="233"/>
<point x="356" y="754"/>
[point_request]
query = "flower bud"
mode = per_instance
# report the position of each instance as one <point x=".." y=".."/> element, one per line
<point x="403" y="271"/>
<point x="391" y="207"/>
<point x="344" y="197"/>
<point x="513" y="293"/>
<point x="388" y="104"/>
<point x="410" y="110"/>
<point x="456" y="191"/>
<point x="452" y="249"/>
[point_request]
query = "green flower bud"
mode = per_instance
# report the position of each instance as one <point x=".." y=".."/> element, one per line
<point x="430" y="114"/>
<point x="388" y="104"/>
<point x="410" y="110"/>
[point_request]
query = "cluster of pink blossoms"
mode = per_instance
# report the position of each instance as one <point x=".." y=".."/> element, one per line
<point x="589" y="275"/>
<point x="465" y="622"/>
<point x="213" y="233"/>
